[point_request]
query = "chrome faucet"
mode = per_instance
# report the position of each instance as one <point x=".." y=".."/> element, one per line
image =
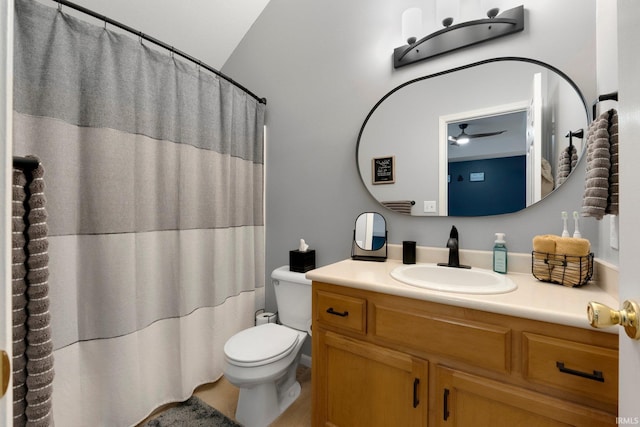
<point x="454" y="255"/>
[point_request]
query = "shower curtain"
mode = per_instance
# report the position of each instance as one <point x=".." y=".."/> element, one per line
<point x="155" y="204"/>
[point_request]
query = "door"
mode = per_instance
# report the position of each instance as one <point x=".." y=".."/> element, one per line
<point x="464" y="399"/>
<point x="534" y="142"/>
<point x="629" y="122"/>
<point x="6" y="106"/>
<point x="365" y="385"/>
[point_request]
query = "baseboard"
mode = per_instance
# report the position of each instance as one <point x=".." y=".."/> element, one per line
<point x="305" y="360"/>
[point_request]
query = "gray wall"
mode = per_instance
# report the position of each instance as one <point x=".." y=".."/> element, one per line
<point x="324" y="64"/>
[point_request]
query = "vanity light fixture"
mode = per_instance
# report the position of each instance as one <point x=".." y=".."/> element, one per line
<point x="453" y="37"/>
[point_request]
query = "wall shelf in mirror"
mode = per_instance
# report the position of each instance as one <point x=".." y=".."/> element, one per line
<point x="413" y="121"/>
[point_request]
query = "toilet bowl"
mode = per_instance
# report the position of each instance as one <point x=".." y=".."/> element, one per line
<point x="262" y="360"/>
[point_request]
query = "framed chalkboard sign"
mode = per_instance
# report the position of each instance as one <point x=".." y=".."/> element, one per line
<point x="383" y="170"/>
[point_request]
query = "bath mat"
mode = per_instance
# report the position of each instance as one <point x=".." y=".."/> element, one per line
<point x="191" y="413"/>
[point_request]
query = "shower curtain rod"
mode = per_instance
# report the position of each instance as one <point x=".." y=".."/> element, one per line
<point x="155" y="41"/>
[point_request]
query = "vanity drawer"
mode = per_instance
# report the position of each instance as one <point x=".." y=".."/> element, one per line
<point x="578" y="368"/>
<point x="480" y="344"/>
<point x="343" y="311"/>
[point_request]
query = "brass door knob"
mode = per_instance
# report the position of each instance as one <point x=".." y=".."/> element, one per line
<point x="602" y="316"/>
<point x="5" y="372"/>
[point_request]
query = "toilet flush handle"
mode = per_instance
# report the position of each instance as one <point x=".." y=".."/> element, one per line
<point x="602" y="316"/>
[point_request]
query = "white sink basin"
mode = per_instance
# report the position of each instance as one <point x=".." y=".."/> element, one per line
<point x="461" y="280"/>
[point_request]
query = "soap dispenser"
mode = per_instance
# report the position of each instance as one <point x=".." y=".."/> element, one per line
<point x="500" y="254"/>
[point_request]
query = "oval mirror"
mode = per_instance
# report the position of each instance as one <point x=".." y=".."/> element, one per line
<point x="488" y="138"/>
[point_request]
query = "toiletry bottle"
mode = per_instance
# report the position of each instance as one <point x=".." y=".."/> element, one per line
<point x="500" y="254"/>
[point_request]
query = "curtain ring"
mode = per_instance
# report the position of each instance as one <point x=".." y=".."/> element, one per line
<point x="59" y="7"/>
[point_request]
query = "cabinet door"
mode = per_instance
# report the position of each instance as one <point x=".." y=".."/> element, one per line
<point x="361" y="384"/>
<point x="468" y="400"/>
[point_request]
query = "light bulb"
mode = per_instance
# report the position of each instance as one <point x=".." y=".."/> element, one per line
<point x="411" y="24"/>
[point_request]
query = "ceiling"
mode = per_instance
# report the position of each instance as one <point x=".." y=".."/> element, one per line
<point x="208" y="30"/>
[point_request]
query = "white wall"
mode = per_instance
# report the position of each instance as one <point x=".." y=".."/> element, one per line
<point x="323" y="65"/>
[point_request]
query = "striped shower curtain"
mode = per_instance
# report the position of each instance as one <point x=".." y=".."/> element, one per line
<point x="155" y="205"/>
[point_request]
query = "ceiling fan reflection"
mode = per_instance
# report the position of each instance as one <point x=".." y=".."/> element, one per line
<point x="464" y="137"/>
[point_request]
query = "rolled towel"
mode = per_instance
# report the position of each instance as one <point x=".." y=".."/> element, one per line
<point x="544" y="248"/>
<point x="545" y="243"/>
<point x="575" y="246"/>
<point x="571" y="261"/>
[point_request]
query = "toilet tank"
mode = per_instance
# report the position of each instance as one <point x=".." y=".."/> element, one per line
<point x="293" y="296"/>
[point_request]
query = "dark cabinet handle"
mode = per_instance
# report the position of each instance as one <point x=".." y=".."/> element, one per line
<point x="416" y="389"/>
<point x="445" y="405"/>
<point x="596" y="376"/>
<point x="330" y="310"/>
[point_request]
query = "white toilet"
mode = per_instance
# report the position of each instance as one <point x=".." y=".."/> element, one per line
<point x="262" y="360"/>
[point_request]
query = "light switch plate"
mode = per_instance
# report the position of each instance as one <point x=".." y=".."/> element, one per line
<point x="613" y="232"/>
<point x="430" y="206"/>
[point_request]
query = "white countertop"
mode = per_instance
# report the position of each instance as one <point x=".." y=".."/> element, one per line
<point x="532" y="299"/>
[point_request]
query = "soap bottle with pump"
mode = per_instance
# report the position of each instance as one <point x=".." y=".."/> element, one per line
<point x="500" y="254"/>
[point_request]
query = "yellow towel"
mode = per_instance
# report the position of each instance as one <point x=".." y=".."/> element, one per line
<point x="574" y="271"/>
<point x="545" y="243"/>
<point x="561" y="260"/>
<point x="570" y="252"/>
<point x="574" y="246"/>
<point x="545" y="248"/>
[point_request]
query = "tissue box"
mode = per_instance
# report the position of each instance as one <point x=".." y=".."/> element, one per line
<point x="301" y="262"/>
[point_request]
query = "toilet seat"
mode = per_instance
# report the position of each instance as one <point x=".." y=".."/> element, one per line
<point x="260" y="345"/>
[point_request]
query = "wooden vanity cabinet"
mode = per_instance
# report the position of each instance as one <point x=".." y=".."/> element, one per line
<point x="384" y="360"/>
<point x="365" y="384"/>
<point x="472" y="400"/>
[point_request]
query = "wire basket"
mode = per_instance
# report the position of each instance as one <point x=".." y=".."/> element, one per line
<point x="566" y="270"/>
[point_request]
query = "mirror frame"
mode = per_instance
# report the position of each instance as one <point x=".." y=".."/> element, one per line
<point x="464" y="67"/>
